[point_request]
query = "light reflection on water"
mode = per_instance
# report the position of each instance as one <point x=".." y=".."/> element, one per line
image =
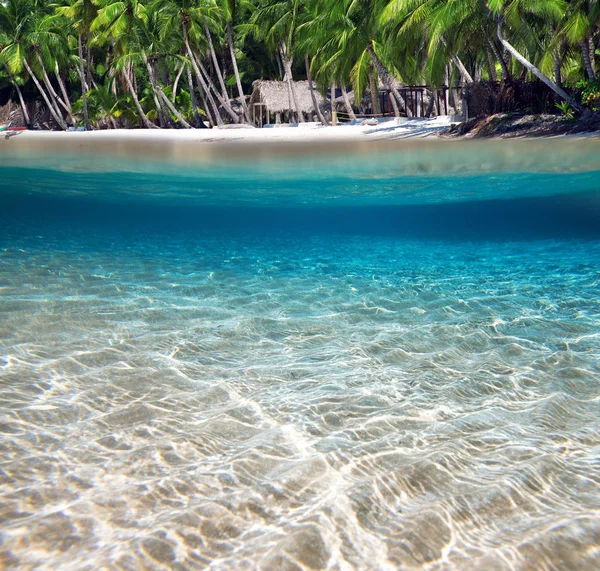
<point x="356" y="387"/>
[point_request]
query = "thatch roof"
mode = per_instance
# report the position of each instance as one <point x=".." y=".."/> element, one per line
<point x="275" y="95"/>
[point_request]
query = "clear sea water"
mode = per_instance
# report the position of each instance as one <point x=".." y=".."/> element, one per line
<point x="382" y="358"/>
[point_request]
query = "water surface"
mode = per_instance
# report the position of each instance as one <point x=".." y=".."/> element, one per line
<point x="256" y="365"/>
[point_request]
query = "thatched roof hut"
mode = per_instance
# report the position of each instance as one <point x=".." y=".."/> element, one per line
<point x="274" y="95"/>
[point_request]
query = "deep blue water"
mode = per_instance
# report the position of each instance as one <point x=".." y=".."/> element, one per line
<point x="283" y="371"/>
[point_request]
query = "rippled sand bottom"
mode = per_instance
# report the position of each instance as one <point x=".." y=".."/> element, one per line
<point x="298" y="402"/>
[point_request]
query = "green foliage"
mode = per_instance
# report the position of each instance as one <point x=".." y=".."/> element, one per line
<point x="135" y="48"/>
<point x="567" y="111"/>
<point x="590" y="93"/>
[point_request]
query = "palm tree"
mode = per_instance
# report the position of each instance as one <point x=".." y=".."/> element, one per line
<point x="582" y="18"/>
<point x="188" y="20"/>
<point x="4" y="41"/>
<point x="80" y="14"/>
<point x="117" y="22"/>
<point x="444" y="19"/>
<point x="20" y="23"/>
<point x="229" y="11"/>
<point x="506" y="14"/>
<point x="276" y="22"/>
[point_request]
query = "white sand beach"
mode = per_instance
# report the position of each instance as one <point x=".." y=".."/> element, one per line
<point x="306" y="132"/>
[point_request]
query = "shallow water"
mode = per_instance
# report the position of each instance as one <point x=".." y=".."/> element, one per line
<point x="371" y="370"/>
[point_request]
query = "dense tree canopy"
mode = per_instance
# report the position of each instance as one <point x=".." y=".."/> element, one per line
<point x="181" y="63"/>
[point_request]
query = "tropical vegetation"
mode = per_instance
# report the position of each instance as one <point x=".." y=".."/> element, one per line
<point x="187" y="63"/>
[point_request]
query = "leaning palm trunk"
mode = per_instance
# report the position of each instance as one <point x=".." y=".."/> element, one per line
<point x="176" y="83"/>
<point x="147" y="123"/>
<point x="53" y="112"/>
<point x="64" y="94"/>
<point x="530" y="67"/>
<point x="236" y="72"/>
<point x="466" y="76"/>
<point x="223" y="101"/>
<point x="347" y="104"/>
<point x="53" y="95"/>
<point x="20" y="94"/>
<point x="287" y="66"/>
<point x="163" y="115"/>
<point x="161" y="94"/>
<point x="387" y="80"/>
<point x="395" y="104"/>
<point x="199" y="77"/>
<point x="86" y="121"/>
<point x="587" y="62"/>
<point x="173" y="110"/>
<point x="216" y="65"/>
<point x="311" y="88"/>
<point x="51" y="98"/>
<point x="197" y="118"/>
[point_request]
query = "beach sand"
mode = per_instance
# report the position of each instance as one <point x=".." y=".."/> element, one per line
<point x="307" y="132"/>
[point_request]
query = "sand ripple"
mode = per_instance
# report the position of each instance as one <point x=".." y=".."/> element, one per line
<point x="284" y="403"/>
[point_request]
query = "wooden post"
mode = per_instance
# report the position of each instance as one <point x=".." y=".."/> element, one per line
<point x="334" y="118"/>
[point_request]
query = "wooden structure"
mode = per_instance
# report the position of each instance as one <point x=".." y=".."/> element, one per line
<point x="271" y="101"/>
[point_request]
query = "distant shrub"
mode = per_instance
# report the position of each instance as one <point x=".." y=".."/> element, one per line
<point x="590" y="93"/>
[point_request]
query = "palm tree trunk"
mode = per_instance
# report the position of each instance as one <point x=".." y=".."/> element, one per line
<point x="176" y="83"/>
<point x="86" y="121"/>
<point x="287" y="66"/>
<point x="20" y="94"/>
<point x="592" y="52"/>
<point x="395" y="104"/>
<point x="163" y="116"/>
<point x="491" y="64"/>
<point x="375" y="105"/>
<point x="65" y="95"/>
<point x="223" y="101"/>
<point x="161" y="94"/>
<point x="431" y="103"/>
<point x="53" y="112"/>
<point x="506" y="75"/>
<point x="311" y="87"/>
<point x="199" y="78"/>
<point x="530" y="67"/>
<point x="347" y="103"/>
<point x="557" y="64"/>
<point x="332" y="97"/>
<point x="193" y="98"/>
<point x="466" y="76"/>
<point x="53" y="95"/>
<point x="587" y="62"/>
<point x="447" y="88"/>
<point x="213" y="55"/>
<point x="147" y="123"/>
<point x="50" y="96"/>
<point x="88" y="62"/>
<point x="237" y="72"/>
<point x="387" y="79"/>
<point x="173" y="110"/>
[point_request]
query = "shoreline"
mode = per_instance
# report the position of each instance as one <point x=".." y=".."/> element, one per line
<point x="303" y="133"/>
<point x="414" y="147"/>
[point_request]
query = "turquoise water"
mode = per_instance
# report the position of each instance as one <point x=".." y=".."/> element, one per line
<point x="348" y="365"/>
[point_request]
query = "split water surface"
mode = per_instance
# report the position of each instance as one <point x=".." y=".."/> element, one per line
<point x="380" y="356"/>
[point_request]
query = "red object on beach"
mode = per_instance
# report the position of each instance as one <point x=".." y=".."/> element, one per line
<point x="17" y="128"/>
